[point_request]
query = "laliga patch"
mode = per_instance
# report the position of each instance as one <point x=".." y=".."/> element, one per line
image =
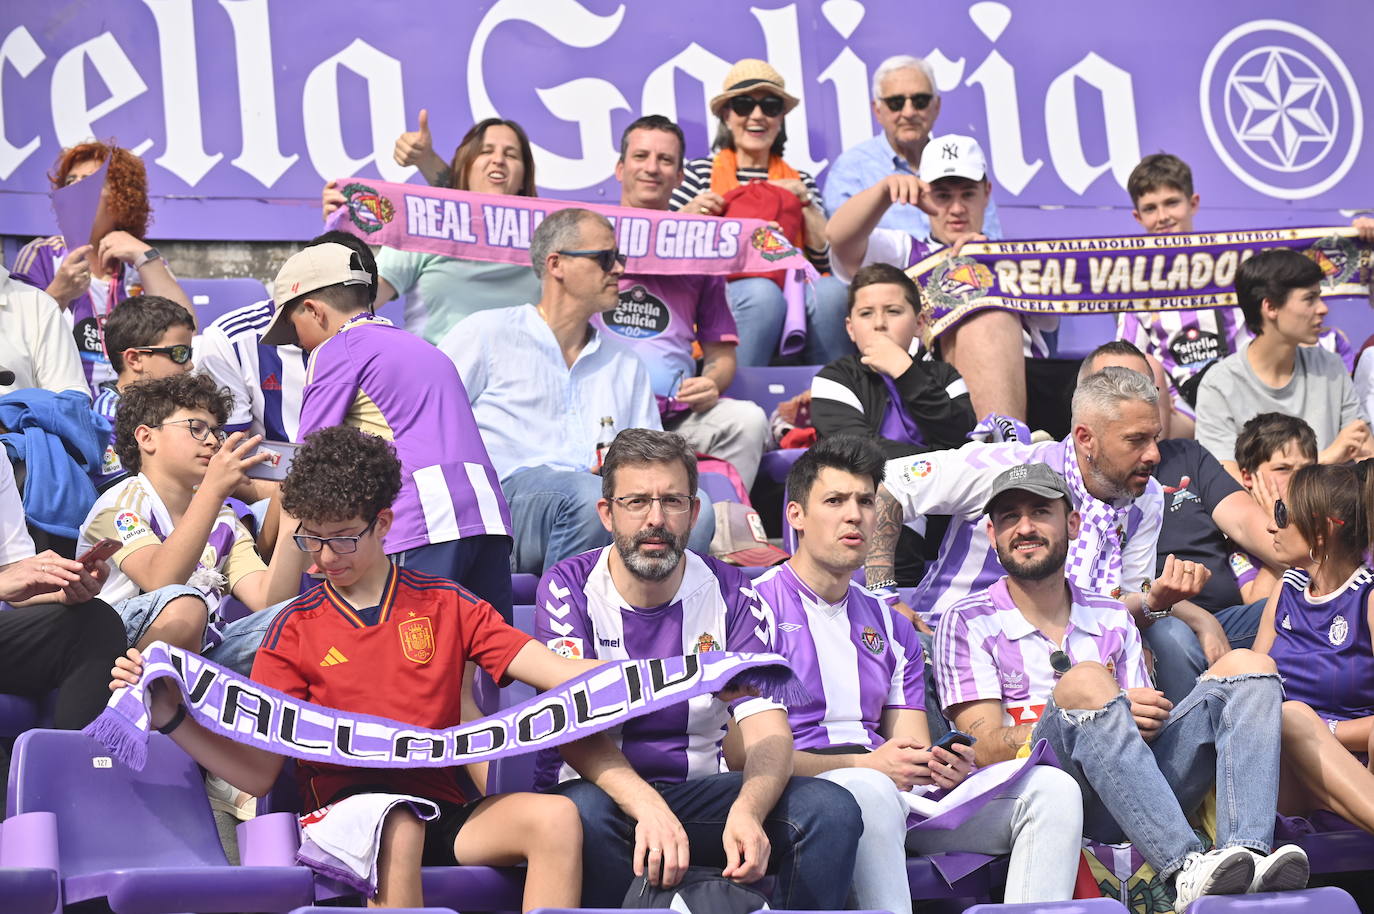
<point x="1240" y="563"/>
<point x="130" y="526"/>
<point x="109" y="462"/>
<point x="918" y="469"/>
<point x="567" y="647"/>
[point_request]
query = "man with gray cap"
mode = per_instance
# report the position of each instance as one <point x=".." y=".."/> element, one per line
<point x="988" y="346"/>
<point x="1035" y="657"/>
<point x="451" y="518"/>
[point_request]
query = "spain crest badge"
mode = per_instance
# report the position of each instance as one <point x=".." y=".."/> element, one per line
<point x="417" y="640"/>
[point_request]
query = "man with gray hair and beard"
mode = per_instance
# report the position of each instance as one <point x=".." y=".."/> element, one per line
<point x="656" y="801"/>
<point x="1106" y="459"/>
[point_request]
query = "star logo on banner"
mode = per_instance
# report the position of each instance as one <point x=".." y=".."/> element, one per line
<point x="1282" y="123"/>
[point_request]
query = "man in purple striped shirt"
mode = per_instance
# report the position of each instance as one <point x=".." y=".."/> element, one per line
<point x="1034" y="657"/>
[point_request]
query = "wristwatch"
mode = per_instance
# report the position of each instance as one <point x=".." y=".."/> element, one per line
<point x="1154" y="615"/>
<point x="150" y="254"/>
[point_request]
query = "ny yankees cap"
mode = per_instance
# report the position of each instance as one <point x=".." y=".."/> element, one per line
<point x="306" y="271"/>
<point x="953" y="156"/>
<point x="1036" y="478"/>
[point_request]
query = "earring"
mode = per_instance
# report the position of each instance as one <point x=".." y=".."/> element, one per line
<point x="1315" y="560"/>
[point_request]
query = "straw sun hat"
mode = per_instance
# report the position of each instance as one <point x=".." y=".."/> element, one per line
<point x="746" y="76"/>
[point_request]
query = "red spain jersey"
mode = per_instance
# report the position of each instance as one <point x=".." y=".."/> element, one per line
<point x="407" y="666"/>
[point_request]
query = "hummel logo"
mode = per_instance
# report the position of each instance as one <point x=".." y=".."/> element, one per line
<point x="333" y="658"/>
<point x="271" y="383"/>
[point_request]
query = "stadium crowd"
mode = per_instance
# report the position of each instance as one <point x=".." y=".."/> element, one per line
<point x="1171" y="595"/>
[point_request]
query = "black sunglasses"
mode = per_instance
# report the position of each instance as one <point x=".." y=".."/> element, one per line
<point x="1061" y="663"/>
<point x="920" y="101"/>
<point x="744" y="105"/>
<point x="1280" y="514"/>
<point x="606" y="258"/>
<point x="180" y="353"/>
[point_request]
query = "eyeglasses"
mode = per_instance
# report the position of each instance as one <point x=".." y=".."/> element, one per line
<point x="606" y="258"/>
<point x="199" y="429"/>
<point x="744" y="105"/>
<point x="640" y="504"/>
<point x="1061" y="663"/>
<point x="180" y="353"/>
<point x="920" y="101"/>
<point x="340" y="545"/>
<point x="1281" y="516"/>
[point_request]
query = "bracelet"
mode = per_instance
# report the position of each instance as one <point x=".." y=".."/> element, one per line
<point x="175" y="721"/>
<point x="888" y="584"/>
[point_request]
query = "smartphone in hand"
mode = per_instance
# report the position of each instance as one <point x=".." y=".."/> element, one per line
<point x="101" y="552"/>
<point x="280" y="455"/>
<point x="954" y="738"/>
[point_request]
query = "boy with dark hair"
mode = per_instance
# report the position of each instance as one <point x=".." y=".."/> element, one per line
<point x="183" y="550"/>
<point x="451" y="518"/>
<point x="146" y="337"/>
<point x="1270" y="448"/>
<point x="378" y="639"/>
<point x="887" y="391"/>
<point x="1186" y="342"/>
<point x="1280" y="370"/>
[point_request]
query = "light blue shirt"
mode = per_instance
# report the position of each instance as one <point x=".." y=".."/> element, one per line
<point x="860" y="167"/>
<point x="531" y="407"/>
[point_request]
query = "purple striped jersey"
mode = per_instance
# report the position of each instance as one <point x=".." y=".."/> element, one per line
<point x="855" y="658"/>
<point x="378" y="378"/>
<point x="579" y="613"/>
<point x="958" y="482"/>
<point x="986" y="649"/>
<point x="1322" y="645"/>
<point x="266" y="381"/>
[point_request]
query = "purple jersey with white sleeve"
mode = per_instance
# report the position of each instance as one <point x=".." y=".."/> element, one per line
<point x="659" y="317"/>
<point x="1114" y="551"/>
<point x="378" y="378"/>
<point x="855" y="658"/>
<point x="579" y="613"/>
<point x="986" y="649"/>
<point x="1322" y="645"/>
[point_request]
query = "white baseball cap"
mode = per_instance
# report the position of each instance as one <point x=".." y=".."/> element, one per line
<point x="306" y="271"/>
<point x="953" y="156"/>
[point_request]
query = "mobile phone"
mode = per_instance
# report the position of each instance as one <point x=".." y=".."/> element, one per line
<point x="954" y="738"/>
<point x="280" y="455"/>
<point x="102" y="551"/>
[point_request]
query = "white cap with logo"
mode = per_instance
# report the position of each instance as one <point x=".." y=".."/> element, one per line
<point x="306" y="271"/>
<point x="953" y="156"/>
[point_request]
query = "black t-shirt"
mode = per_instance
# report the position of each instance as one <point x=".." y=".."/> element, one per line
<point x="1188" y="530"/>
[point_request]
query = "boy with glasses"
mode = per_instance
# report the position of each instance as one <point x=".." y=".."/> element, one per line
<point x="146" y="337"/>
<point x="182" y="549"/>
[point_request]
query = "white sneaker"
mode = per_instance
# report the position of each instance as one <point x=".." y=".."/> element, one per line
<point x="1282" y="871"/>
<point x="1224" y="871"/>
<point x="226" y="798"/>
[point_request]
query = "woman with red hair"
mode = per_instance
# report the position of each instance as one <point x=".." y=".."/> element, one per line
<point x="89" y="277"/>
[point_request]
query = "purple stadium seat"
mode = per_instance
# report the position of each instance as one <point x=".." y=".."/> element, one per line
<point x="142" y="841"/>
<point x="523" y="587"/>
<point x="514" y="774"/>
<point x="28" y="890"/>
<point x="1077" y="906"/>
<point x="718" y="487"/>
<point x="1325" y="900"/>
<point x="318" y="910"/>
<point x="604" y="911"/>
<point x="213" y="298"/>
<point x="769" y="386"/>
<point x="19" y="713"/>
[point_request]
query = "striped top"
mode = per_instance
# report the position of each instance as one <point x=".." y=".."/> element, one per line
<point x="986" y="649"/>
<point x="266" y="381"/>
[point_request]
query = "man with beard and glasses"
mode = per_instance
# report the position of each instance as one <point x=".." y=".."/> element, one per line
<point x="1036" y="656"/>
<point x="655" y="800"/>
<point x="1107" y="459"/>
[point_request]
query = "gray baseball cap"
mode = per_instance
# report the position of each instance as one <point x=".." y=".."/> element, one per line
<point x="1036" y="478"/>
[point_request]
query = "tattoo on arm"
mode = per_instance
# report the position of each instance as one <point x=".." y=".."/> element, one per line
<point x="1015" y="737"/>
<point x="442" y="178"/>
<point x="881" y="563"/>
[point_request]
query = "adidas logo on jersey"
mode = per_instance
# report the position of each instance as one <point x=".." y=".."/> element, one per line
<point x="333" y="657"/>
<point x="271" y="383"/>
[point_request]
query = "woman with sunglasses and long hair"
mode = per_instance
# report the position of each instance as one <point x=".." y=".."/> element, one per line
<point x="494" y="157"/>
<point x="1317" y="627"/>
<point x="748" y="147"/>
<point x="89" y="277"/>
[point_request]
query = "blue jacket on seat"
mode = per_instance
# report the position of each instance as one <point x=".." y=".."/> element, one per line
<point x="61" y="440"/>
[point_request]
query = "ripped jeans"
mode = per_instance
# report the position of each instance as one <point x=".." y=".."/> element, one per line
<point x="1225" y="732"/>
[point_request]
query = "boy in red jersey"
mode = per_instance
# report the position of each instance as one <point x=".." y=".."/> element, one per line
<point x="388" y="641"/>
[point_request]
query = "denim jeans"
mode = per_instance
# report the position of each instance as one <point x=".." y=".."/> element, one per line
<point x="1032" y="820"/>
<point x="241" y="639"/>
<point x="813" y="830"/>
<point x="553" y="514"/>
<point x="935" y="717"/>
<point x="1224" y="733"/>
<point x="1179" y="659"/>
<point x="759" y="308"/>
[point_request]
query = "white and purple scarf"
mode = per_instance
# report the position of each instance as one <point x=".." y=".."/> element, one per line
<point x="246" y="711"/>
